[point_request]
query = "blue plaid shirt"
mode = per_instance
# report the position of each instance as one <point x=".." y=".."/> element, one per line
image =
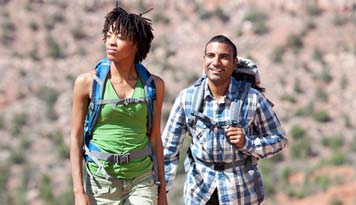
<point x="264" y="138"/>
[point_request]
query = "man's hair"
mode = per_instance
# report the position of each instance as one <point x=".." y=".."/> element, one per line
<point x="223" y="39"/>
<point x="134" y="27"/>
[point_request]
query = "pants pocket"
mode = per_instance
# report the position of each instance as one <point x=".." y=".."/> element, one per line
<point x="96" y="186"/>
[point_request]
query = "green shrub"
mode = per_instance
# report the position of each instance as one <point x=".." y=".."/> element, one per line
<point x="324" y="76"/>
<point x="289" y="98"/>
<point x="277" y="54"/>
<point x="313" y="9"/>
<point x="297" y="132"/>
<point x="219" y="13"/>
<point x="7" y="31"/>
<point x="344" y="82"/>
<point x="321" y="95"/>
<point x="301" y="149"/>
<point x="318" y="55"/>
<point x="321" y="116"/>
<point x="352" y="144"/>
<point x="45" y="188"/>
<point x="337" y="159"/>
<point x="323" y="182"/>
<point x="335" y="200"/>
<point x="2" y="123"/>
<point x="335" y="142"/>
<point x="49" y="96"/>
<point x="18" y="122"/>
<point x="17" y="157"/>
<point x="297" y="86"/>
<point x="306" y="110"/>
<point x="55" y="51"/>
<point x="258" y="19"/>
<point x="295" y="42"/>
<point x="159" y="17"/>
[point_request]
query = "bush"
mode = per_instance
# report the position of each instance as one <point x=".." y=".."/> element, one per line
<point x="321" y="95"/>
<point x="295" y="42"/>
<point x="2" y="123"/>
<point x="324" y="76"/>
<point x="301" y="149"/>
<point x="50" y="96"/>
<point x="337" y="159"/>
<point x="45" y="189"/>
<point x="321" y="116"/>
<point x="323" y="182"/>
<point x="306" y="110"/>
<point x="18" y="122"/>
<point x="297" y="132"/>
<point x="55" y="50"/>
<point x="277" y="54"/>
<point x="258" y="20"/>
<point x="335" y="142"/>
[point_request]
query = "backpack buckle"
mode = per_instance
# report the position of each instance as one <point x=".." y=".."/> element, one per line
<point x="121" y="159"/>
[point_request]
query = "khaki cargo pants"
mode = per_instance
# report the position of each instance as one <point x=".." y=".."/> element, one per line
<point x="141" y="190"/>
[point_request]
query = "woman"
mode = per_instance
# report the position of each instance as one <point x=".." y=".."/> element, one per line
<point x="120" y="129"/>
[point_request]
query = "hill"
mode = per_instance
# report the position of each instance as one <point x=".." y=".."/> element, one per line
<point x="306" y="52"/>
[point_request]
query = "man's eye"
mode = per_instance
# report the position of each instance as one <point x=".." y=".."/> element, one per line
<point x="209" y="55"/>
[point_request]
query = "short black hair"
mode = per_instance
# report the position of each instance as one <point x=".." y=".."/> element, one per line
<point x="223" y="39"/>
<point x="134" y="26"/>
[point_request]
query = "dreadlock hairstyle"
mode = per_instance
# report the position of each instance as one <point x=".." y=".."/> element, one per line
<point x="134" y="27"/>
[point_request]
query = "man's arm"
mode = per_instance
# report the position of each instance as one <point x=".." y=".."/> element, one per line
<point x="172" y="140"/>
<point x="271" y="137"/>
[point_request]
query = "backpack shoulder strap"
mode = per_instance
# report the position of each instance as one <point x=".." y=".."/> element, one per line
<point x="102" y="69"/>
<point x="236" y="105"/>
<point x="197" y="101"/>
<point x="150" y="92"/>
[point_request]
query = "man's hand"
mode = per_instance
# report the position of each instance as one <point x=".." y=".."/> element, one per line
<point x="236" y="136"/>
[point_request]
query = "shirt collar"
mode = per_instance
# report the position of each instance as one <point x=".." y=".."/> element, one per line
<point x="231" y="93"/>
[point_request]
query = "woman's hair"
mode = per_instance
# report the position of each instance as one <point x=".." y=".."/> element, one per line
<point x="133" y="26"/>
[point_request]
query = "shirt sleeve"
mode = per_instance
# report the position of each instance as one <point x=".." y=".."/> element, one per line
<point x="270" y="137"/>
<point x="172" y="140"/>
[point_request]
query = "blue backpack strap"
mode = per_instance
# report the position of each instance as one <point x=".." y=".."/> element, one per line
<point x="101" y="71"/>
<point x="150" y="91"/>
<point x="236" y="105"/>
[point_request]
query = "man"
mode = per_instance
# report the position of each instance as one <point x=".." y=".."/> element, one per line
<point x="223" y="155"/>
<point x="117" y="151"/>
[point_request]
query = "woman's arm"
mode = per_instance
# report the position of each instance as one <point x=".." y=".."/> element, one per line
<point x="155" y="138"/>
<point x="82" y="88"/>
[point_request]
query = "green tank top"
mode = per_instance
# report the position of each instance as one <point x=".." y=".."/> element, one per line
<point x="122" y="130"/>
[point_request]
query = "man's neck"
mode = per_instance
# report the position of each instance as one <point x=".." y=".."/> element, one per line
<point x="218" y="90"/>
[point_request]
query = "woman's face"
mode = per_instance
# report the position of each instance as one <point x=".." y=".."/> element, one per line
<point x="119" y="47"/>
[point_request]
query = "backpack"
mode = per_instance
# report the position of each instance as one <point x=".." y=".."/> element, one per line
<point x="92" y="153"/>
<point x="247" y="75"/>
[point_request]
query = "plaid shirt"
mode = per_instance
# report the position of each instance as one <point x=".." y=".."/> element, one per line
<point x="264" y="138"/>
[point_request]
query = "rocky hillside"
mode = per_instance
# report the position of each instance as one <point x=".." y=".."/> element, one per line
<point x="306" y="52"/>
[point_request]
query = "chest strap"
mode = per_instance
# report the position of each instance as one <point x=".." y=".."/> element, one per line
<point x="122" y="158"/>
<point x="210" y="123"/>
<point x="126" y="101"/>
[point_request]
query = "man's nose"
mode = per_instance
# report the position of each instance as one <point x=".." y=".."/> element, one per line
<point x="216" y="60"/>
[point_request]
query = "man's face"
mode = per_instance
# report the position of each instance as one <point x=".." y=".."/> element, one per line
<point x="219" y="62"/>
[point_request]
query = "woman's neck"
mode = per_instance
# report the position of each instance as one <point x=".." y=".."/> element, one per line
<point x="123" y="71"/>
